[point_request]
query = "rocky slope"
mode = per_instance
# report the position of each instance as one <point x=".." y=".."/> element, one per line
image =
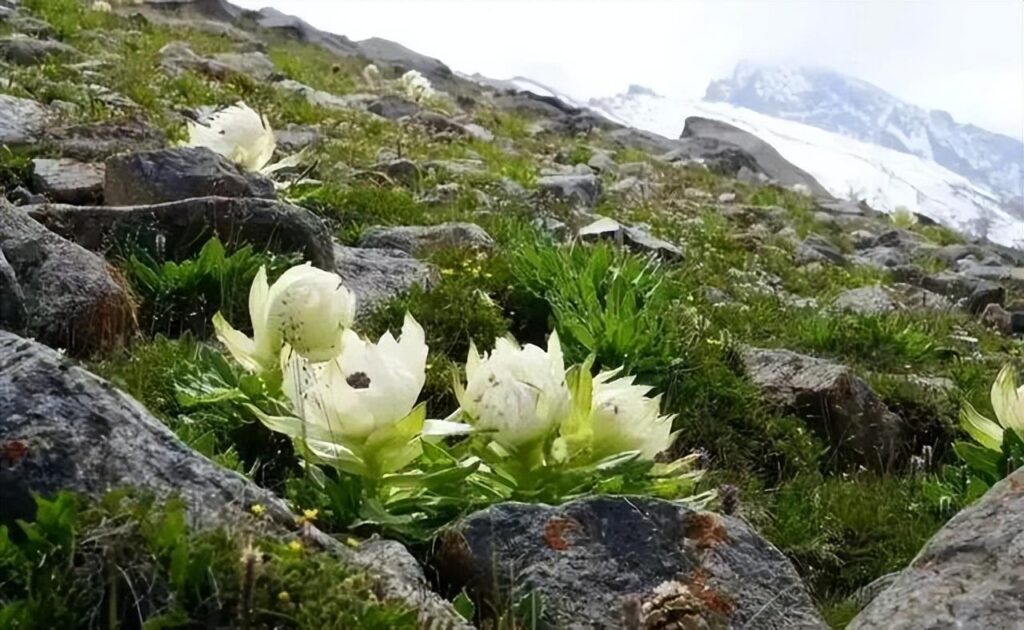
<point x="813" y="352"/>
<point x="829" y="100"/>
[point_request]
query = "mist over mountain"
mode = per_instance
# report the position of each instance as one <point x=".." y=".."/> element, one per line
<point x="833" y="101"/>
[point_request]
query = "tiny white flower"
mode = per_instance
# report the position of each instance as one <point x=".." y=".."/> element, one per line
<point x="517" y="393"/>
<point x="307" y="308"/>
<point x="101" y="6"/>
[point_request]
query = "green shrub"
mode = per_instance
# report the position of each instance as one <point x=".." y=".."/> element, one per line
<point x="131" y="562"/>
<point x="179" y="297"/>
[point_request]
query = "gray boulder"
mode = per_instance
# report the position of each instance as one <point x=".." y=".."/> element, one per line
<point x="71" y="298"/>
<point x="418" y="240"/>
<point x="27" y="51"/>
<point x="178" y="57"/>
<point x="635" y="238"/>
<point x="177" y="230"/>
<point x="293" y="138"/>
<point x="377" y="276"/>
<point x="1010" y="277"/>
<point x="85" y="436"/>
<point x="967" y="576"/>
<point x="12" y="300"/>
<point x="625" y="562"/>
<point x="97" y="141"/>
<point x="22" y="121"/>
<point x="68" y="181"/>
<point x="890" y="299"/>
<point x="581" y="191"/>
<point x="393" y="107"/>
<point x="729" y="149"/>
<point x="149" y="177"/>
<point x="836" y="403"/>
<point x="815" y="249"/>
<point x="887" y="257"/>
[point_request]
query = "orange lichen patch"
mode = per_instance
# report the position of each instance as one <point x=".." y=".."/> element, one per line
<point x="555" y="530"/>
<point x="13" y="451"/>
<point x="712" y="600"/>
<point x="706" y="529"/>
<point x="1016" y="484"/>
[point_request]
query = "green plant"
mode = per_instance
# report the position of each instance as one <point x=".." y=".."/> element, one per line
<point x="128" y="561"/>
<point x="604" y="302"/>
<point x="998" y="447"/>
<point x="178" y="297"/>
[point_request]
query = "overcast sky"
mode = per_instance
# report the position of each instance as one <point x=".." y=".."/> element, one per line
<point x="963" y="56"/>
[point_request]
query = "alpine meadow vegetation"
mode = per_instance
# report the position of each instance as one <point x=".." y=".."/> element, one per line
<point x="540" y="365"/>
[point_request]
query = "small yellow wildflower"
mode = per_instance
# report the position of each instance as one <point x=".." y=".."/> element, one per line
<point x="258" y="509"/>
<point x="308" y="516"/>
<point x="295" y="546"/>
<point x="283" y="596"/>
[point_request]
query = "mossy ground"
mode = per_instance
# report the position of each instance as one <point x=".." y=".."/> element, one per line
<point x="843" y="528"/>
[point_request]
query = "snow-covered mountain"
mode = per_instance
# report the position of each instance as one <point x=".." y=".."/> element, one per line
<point x="848" y="168"/>
<point x="835" y="102"/>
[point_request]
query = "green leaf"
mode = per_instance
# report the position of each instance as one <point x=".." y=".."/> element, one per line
<point x="981" y="460"/>
<point x="464" y="606"/>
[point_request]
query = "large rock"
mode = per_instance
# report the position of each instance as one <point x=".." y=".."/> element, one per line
<point x="729" y="149"/>
<point x="12" y="299"/>
<point x="898" y="297"/>
<point x="27" y="51"/>
<point x="419" y="240"/>
<point x="149" y="177"/>
<point x="178" y="57"/>
<point x="604" y="562"/>
<point x="98" y="141"/>
<point x="177" y="230"/>
<point x="838" y="405"/>
<point x="70" y="295"/>
<point x="377" y="276"/>
<point x="577" y="190"/>
<point x="67" y="181"/>
<point x="81" y="434"/>
<point x="22" y="121"/>
<point x="967" y="576"/>
<point x="634" y="238"/>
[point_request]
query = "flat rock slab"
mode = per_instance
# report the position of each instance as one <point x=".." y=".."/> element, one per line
<point x="177" y="230"/>
<point x="594" y="562"/>
<point x="418" y="240"/>
<point x="149" y="177"/>
<point x="377" y="276"/>
<point x="838" y="405"/>
<point x="22" y="120"/>
<point x="969" y="575"/>
<point x="68" y="181"/>
<point x="899" y="297"/>
<point x="70" y="295"/>
<point x="83" y="435"/>
<point x="27" y="51"/>
<point x="576" y="190"/>
<point x="97" y="141"/>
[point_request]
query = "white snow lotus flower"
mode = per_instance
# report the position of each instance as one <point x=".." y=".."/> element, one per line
<point x="372" y="76"/>
<point x="1007" y="402"/>
<point x="307" y="308"/>
<point x="243" y="136"/>
<point x="624" y="418"/>
<point x="358" y="411"/>
<point x="416" y="86"/>
<point x="518" y="394"/>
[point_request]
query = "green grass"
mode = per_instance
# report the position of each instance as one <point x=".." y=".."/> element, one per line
<point x="184" y="296"/>
<point x="128" y="561"/>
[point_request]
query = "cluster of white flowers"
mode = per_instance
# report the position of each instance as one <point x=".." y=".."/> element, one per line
<point x="353" y="402"/>
<point x="416" y="86"/>
<point x="101" y="6"/>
